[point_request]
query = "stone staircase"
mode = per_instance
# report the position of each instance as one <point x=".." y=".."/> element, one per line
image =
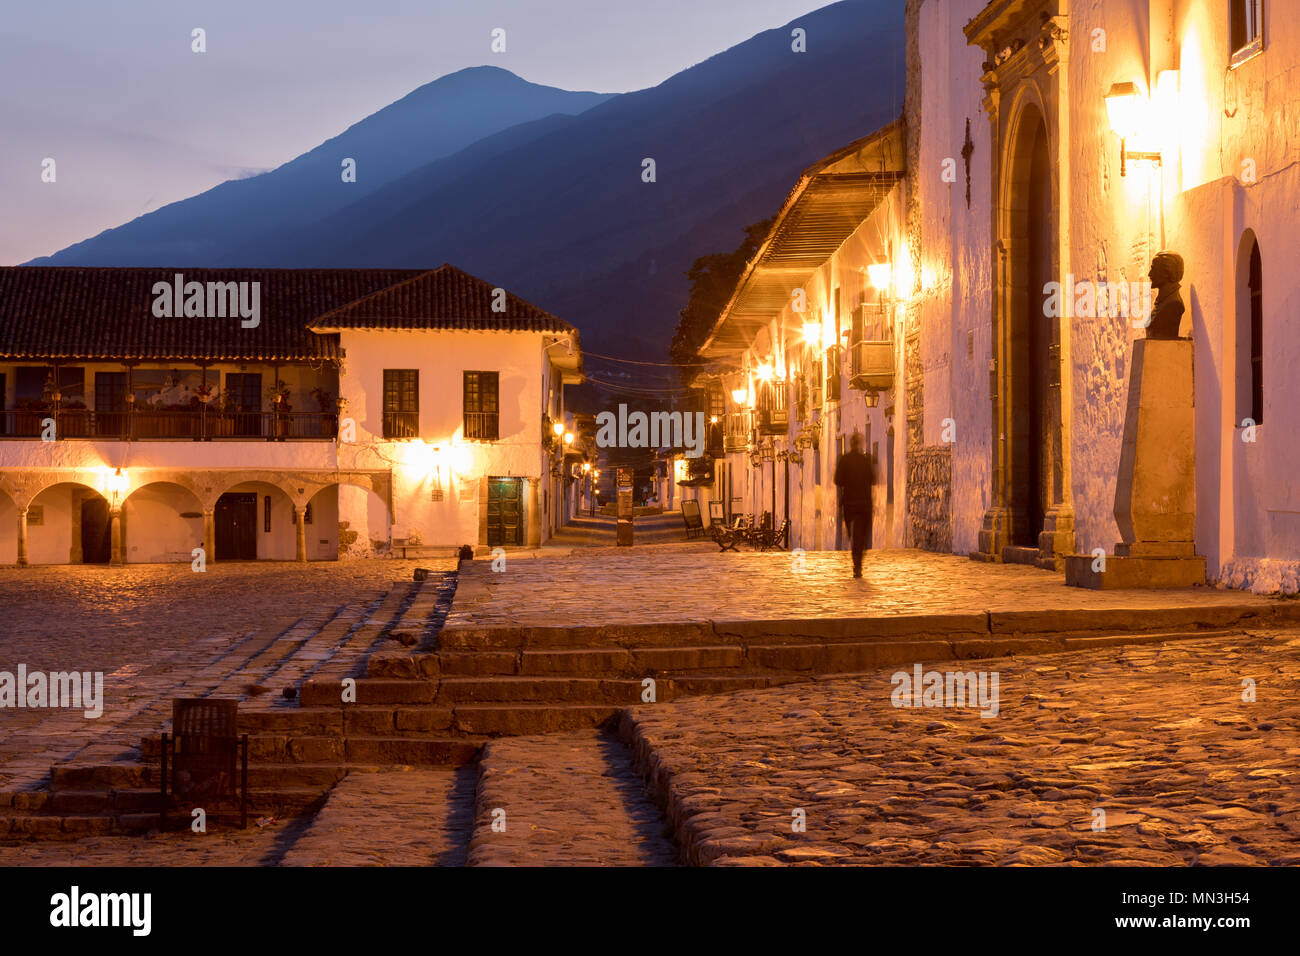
<point x="296" y="753"/>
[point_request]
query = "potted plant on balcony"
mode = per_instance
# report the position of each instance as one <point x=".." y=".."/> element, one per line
<point x="330" y="406"/>
<point x="280" y="408"/>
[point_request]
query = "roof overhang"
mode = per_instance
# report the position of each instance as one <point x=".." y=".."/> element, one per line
<point x="830" y="201"/>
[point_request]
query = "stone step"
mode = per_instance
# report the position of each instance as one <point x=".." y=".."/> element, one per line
<point x="116" y="802"/>
<point x="493" y="720"/>
<point x="369" y="690"/>
<point x="132" y="775"/>
<point x="462" y="636"/>
<point x="416" y="748"/>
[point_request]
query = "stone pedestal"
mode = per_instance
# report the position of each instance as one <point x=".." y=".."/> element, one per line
<point x="1155" y="494"/>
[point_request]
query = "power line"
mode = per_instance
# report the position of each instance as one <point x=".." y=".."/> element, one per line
<point x="612" y="358"/>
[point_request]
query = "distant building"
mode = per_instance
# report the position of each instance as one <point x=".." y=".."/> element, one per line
<point x="361" y="412"/>
<point x="1043" y="143"/>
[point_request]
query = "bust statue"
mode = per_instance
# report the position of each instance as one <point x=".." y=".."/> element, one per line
<point x="1165" y="275"/>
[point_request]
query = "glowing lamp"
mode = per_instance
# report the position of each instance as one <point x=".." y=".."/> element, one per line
<point x="878" y="273"/>
<point x="118" y="483"/>
<point x="812" y="333"/>
<point x="558" y="428"/>
<point x="1125" y="108"/>
<point x="764" y="372"/>
<point x="568" y="438"/>
<point x="738" y="395"/>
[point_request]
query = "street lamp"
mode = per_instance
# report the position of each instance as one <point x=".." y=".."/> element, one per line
<point x="118" y="483"/>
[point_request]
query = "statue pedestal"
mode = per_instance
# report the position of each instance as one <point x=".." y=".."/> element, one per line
<point x="1155" y="495"/>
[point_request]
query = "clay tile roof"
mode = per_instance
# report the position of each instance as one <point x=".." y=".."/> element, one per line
<point x="81" y="313"/>
<point x="443" y="298"/>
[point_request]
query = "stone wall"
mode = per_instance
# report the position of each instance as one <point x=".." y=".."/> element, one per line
<point x="929" y="482"/>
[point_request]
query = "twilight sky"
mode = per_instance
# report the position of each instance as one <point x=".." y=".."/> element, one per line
<point x="134" y="120"/>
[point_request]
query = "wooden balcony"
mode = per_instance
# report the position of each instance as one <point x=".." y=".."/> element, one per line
<point x="773" y="421"/>
<point x="872" y="366"/>
<point x="736" y="437"/>
<point x="183" y="425"/>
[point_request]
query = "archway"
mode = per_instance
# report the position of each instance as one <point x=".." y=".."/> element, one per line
<point x="354" y="517"/>
<point x="165" y="521"/>
<point x="1028" y="514"/>
<point x="1250" y="330"/>
<point x="69" y="522"/>
<point x="254" y="520"/>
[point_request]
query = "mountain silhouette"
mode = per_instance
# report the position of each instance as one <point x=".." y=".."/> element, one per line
<point x="555" y="207"/>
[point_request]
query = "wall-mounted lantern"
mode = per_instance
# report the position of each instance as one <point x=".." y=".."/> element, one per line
<point x="1126" y="109"/>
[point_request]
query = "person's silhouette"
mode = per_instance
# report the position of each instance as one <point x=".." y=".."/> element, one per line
<point x="854" y="475"/>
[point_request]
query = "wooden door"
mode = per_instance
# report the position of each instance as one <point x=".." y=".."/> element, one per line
<point x="235" y="518"/>
<point x="505" y="524"/>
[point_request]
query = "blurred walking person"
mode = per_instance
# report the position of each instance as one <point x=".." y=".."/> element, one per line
<point x="855" y="473"/>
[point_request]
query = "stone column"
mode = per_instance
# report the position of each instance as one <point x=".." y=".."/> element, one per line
<point x="534" y="514"/>
<point x="22" y="537"/>
<point x="117" y="550"/>
<point x="300" y="519"/>
<point x="209" y="536"/>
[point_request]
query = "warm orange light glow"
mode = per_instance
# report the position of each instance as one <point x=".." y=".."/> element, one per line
<point x="764" y="372"/>
<point x="812" y="333"/>
<point x="738" y="395"/>
<point x="1124" y="108"/>
<point x="558" y="428"/>
<point x="878" y="273"/>
<point x="117" y="484"/>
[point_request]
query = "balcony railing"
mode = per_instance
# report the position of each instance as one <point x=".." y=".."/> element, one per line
<point x="401" y="424"/>
<point x="482" y="426"/>
<point x="148" y="425"/>
<point x="872" y="365"/>
<point x="737" y="434"/>
<point x="773" y="421"/>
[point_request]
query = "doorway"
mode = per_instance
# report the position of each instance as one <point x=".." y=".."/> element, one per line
<point x="235" y="520"/>
<point x="96" y="531"/>
<point x="505" y="524"/>
<point x="1030" y="352"/>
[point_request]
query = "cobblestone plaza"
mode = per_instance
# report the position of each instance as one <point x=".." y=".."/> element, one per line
<point x="1154" y="748"/>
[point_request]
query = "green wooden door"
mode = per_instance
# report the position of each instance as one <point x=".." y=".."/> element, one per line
<point x="505" y="523"/>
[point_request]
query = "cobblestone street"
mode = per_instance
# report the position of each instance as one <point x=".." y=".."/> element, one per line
<point x="690" y="583"/>
<point x="156" y="632"/>
<point x="1157" y="737"/>
<point x="1152" y="741"/>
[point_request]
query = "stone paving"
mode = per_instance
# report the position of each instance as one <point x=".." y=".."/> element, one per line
<point x="1154" y="735"/>
<point x="264" y="843"/>
<point x="164" y="631"/>
<point x="565" y="800"/>
<point x="678" y="583"/>
<point x="1157" y="737"/>
<point x="410" y="818"/>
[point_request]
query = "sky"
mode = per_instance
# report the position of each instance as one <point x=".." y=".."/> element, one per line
<point x="134" y="119"/>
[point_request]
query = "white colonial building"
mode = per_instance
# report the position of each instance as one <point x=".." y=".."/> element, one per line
<point x="1044" y="142"/>
<point x="358" y="412"/>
